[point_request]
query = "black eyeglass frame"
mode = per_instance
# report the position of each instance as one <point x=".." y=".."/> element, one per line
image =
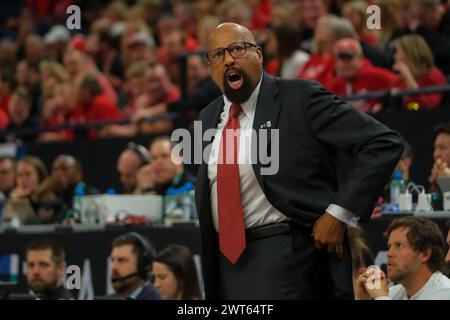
<point x="244" y="44"/>
<point x="346" y="56"/>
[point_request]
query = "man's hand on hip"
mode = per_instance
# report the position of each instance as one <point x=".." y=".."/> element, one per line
<point x="328" y="232"/>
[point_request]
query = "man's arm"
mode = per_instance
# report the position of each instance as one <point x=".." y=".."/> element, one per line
<point x="374" y="148"/>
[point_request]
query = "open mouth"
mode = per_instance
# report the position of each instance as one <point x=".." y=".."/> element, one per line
<point x="234" y="79"/>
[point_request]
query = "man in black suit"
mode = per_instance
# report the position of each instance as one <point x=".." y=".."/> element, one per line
<point x="280" y="233"/>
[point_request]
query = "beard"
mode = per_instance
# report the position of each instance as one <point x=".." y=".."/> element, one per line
<point x="398" y="275"/>
<point x="242" y="94"/>
<point x="124" y="286"/>
<point x="39" y="286"/>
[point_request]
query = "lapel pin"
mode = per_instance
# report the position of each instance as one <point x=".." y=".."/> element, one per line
<point x="268" y="124"/>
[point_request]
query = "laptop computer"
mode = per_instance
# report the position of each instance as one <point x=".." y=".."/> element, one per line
<point x="444" y="184"/>
<point x="24" y="211"/>
<point x="103" y="209"/>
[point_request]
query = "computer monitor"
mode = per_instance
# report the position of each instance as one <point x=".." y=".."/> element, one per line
<point x="444" y="184"/>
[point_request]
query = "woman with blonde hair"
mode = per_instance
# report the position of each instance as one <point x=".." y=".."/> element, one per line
<point x="415" y="64"/>
<point x="30" y="172"/>
<point x="58" y="98"/>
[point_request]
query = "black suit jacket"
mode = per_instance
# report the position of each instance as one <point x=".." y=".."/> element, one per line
<point x="313" y="126"/>
<point x="148" y="293"/>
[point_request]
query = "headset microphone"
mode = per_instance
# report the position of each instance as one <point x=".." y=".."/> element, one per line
<point x="117" y="279"/>
<point x="144" y="259"/>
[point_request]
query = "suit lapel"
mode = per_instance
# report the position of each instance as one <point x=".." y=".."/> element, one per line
<point x="268" y="105"/>
<point x="211" y="120"/>
<point x="266" y="116"/>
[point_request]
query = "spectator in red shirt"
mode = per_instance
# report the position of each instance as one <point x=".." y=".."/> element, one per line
<point x="94" y="106"/>
<point x="356" y="74"/>
<point x="78" y="64"/>
<point x="160" y="92"/>
<point x="415" y="64"/>
<point x="320" y="67"/>
<point x="172" y="47"/>
<point x="262" y="10"/>
<point x="136" y="88"/>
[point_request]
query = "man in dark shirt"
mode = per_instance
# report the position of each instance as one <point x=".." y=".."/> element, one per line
<point x="55" y="194"/>
<point x="167" y="173"/>
<point x="7" y="175"/>
<point x="45" y="270"/>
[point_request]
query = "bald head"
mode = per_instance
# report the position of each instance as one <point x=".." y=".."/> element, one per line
<point x="230" y="27"/>
<point x="69" y="167"/>
<point x="70" y="160"/>
<point x="235" y="61"/>
<point x="128" y="165"/>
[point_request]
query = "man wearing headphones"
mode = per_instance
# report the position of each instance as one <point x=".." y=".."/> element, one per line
<point x="133" y="158"/>
<point x="132" y="258"/>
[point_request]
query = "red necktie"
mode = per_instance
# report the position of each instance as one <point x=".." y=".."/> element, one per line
<point x="229" y="205"/>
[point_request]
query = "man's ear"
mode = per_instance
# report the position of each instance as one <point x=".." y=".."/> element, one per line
<point x="61" y="268"/>
<point x="426" y="255"/>
<point x="260" y="54"/>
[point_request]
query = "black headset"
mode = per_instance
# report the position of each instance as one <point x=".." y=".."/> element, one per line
<point x="145" y="254"/>
<point x="140" y="151"/>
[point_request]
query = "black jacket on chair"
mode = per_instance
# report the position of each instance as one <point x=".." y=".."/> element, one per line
<point x="313" y="126"/>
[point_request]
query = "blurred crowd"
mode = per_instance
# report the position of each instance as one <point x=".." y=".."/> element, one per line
<point x="132" y="61"/>
<point x="29" y="194"/>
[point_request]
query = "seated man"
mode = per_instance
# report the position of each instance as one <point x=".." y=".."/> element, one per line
<point x="441" y="153"/>
<point x="94" y="106"/>
<point x="357" y="75"/>
<point x="45" y="270"/>
<point x="130" y="161"/>
<point x="132" y="258"/>
<point x="7" y="175"/>
<point x="167" y="173"/>
<point x="415" y="263"/>
<point x="441" y="166"/>
<point x="55" y="194"/>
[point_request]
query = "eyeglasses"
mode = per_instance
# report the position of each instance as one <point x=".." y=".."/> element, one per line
<point x="5" y="171"/>
<point x="346" y="56"/>
<point x="236" y="50"/>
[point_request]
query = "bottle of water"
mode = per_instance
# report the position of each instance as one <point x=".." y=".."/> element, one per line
<point x="77" y="194"/>
<point x="396" y="189"/>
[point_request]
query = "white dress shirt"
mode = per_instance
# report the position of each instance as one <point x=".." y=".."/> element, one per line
<point x="436" y="288"/>
<point x="257" y="209"/>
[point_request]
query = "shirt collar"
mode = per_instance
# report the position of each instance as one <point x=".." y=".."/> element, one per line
<point x="249" y="106"/>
